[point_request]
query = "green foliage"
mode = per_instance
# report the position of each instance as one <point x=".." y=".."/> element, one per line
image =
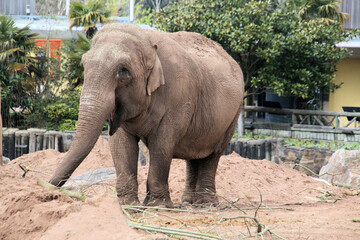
<point x="333" y="145"/>
<point x="121" y="6"/>
<point x="68" y="125"/>
<point x="274" y="46"/>
<point x="59" y="111"/>
<point x="19" y="69"/>
<point x="144" y="15"/>
<point x="329" y="10"/>
<point x="306" y="143"/>
<point x="146" y="10"/>
<point x="251" y="136"/>
<point x="88" y="15"/>
<point x="55" y="113"/>
<point x="63" y="114"/>
<point x="73" y="51"/>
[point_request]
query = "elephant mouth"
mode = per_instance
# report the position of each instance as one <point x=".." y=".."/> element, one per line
<point x="112" y="127"/>
<point x="112" y="114"/>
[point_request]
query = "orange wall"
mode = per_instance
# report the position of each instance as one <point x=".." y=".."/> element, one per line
<point x="55" y="45"/>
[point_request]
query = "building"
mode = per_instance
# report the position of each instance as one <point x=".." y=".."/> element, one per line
<point x="349" y="69"/>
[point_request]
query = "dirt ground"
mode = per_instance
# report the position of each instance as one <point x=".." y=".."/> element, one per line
<point x="293" y="205"/>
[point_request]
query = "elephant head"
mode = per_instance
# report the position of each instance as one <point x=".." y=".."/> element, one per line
<point x="122" y="70"/>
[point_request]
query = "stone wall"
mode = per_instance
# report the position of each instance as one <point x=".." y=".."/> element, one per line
<point x="277" y="151"/>
<point x="309" y="157"/>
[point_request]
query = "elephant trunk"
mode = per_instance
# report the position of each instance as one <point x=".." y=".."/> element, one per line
<point x="93" y="112"/>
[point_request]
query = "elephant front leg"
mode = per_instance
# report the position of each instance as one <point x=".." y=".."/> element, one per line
<point x="157" y="192"/>
<point x="124" y="150"/>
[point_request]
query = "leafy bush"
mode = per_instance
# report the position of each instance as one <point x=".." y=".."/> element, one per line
<point x="60" y="113"/>
<point x="63" y="114"/>
<point x="68" y="125"/>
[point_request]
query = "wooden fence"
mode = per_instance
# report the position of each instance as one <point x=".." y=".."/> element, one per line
<point x="308" y="124"/>
<point x="19" y="142"/>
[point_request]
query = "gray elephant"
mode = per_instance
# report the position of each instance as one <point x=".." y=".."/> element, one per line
<point x="180" y="93"/>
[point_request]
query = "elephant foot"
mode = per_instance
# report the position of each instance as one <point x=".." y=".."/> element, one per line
<point x="127" y="190"/>
<point x="158" y="201"/>
<point x="188" y="198"/>
<point x="128" y="200"/>
<point x="200" y="199"/>
<point x="207" y="200"/>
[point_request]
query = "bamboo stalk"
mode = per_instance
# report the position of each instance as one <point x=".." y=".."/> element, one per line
<point x="174" y="231"/>
<point x="136" y="208"/>
<point x="72" y="194"/>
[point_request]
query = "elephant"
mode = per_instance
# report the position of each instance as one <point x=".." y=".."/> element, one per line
<point x="179" y="93"/>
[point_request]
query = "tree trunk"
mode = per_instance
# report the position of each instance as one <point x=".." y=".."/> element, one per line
<point x="1" y="132"/>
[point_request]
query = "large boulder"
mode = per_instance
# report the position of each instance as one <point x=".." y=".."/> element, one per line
<point x="343" y="167"/>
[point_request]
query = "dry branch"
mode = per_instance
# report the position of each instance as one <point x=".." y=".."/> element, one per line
<point x="26" y="170"/>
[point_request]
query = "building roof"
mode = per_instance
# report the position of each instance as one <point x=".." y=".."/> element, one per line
<point x="353" y="45"/>
<point x="59" y="27"/>
<point x="55" y="27"/>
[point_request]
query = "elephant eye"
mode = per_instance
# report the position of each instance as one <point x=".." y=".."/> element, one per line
<point x="123" y="74"/>
<point x="123" y="71"/>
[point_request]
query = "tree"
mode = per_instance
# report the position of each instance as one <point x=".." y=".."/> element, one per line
<point x="73" y="51"/>
<point x="88" y="15"/>
<point x="329" y="10"/>
<point x="18" y="66"/>
<point x="275" y="47"/>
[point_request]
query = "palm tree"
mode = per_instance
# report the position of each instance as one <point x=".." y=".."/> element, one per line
<point x="329" y="10"/>
<point x="16" y="62"/>
<point x="88" y="15"/>
<point x="74" y="51"/>
<point x="15" y="45"/>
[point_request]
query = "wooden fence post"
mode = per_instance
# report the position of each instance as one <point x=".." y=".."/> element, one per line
<point x="241" y="127"/>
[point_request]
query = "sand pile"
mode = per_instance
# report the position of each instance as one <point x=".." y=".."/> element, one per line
<point x="29" y="211"/>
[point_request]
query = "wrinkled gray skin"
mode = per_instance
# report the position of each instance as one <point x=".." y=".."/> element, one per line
<point x="180" y="93"/>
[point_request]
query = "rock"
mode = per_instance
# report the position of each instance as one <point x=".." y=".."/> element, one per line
<point x="5" y="160"/>
<point x="343" y="167"/>
<point x="90" y="178"/>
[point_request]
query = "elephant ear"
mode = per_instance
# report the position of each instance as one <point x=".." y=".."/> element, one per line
<point x="156" y="77"/>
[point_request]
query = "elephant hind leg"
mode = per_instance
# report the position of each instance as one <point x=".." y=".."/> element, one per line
<point x="200" y="180"/>
<point x="205" y="185"/>
<point x="189" y="195"/>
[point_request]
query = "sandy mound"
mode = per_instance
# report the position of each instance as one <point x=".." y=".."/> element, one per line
<point x="28" y="211"/>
